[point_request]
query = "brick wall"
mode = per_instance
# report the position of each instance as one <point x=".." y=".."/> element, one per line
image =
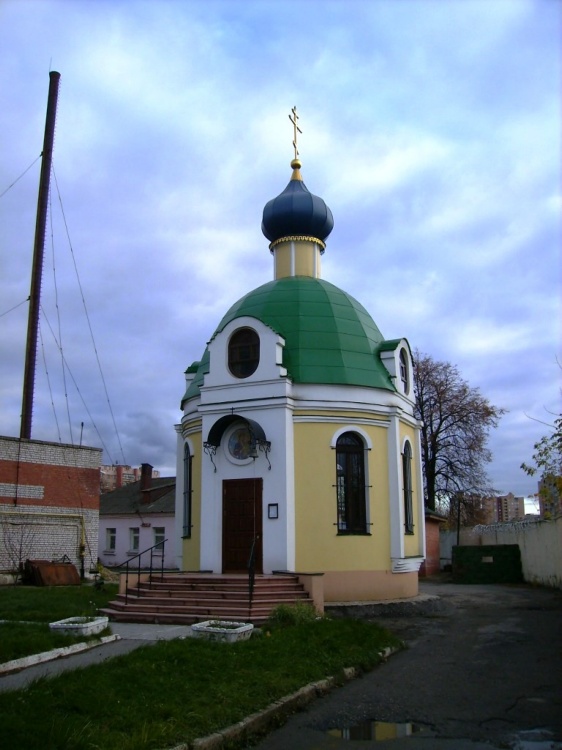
<point x="48" y="493"/>
<point x="37" y="533"/>
<point x="432" y="562"/>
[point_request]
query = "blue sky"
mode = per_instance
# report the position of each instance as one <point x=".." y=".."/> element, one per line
<point x="430" y="127"/>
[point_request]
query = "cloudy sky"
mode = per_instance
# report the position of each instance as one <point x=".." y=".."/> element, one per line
<point x="430" y="127"/>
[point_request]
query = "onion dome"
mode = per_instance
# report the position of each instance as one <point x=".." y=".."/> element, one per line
<point x="296" y="212"/>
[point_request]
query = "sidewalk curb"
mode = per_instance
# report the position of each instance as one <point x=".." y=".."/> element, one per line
<point x="422" y="605"/>
<point x="58" y="653"/>
<point x="272" y="715"/>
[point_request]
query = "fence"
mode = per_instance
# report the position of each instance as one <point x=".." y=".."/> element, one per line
<point x="540" y="543"/>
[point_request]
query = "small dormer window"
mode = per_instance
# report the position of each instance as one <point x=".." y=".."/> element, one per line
<point x="404" y="374"/>
<point x="243" y="353"/>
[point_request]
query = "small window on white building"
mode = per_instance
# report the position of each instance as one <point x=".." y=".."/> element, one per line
<point x="110" y="538"/>
<point x="134" y="539"/>
<point x="408" y="489"/>
<point x="159" y="539"/>
<point x="404" y="373"/>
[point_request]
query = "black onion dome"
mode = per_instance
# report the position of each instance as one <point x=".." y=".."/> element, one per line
<point x="296" y="212"/>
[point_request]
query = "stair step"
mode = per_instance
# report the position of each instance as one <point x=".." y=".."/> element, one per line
<point x="218" y="586"/>
<point x="188" y="598"/>
<point x="133" y="604"/>
<point x="197" y="615"/>
<point x="208" y="607"/>
<point x="174" y="618"/>
<point x="216" y="596"/>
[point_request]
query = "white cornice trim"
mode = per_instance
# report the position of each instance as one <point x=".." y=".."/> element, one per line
<point x="241" y="406"/>
<point x="384" y="412"/>
<point x="344" y="419"/>
<point x="191" y="426"/>
<point x="406" y="564"/>
<point x="351" y="428"/>
<point x="351" y="394"/>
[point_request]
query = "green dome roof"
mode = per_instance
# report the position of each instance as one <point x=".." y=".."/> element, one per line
<point x="329" y="337"/>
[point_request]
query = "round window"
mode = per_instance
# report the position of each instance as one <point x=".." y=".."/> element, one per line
<point x="243" y="353"/>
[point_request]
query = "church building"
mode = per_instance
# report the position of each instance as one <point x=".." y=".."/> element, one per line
<point x="298" y="446"/>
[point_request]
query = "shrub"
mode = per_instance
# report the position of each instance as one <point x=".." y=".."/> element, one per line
<point x="289" y="615"/>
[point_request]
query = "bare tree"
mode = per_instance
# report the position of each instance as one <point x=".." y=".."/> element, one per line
<point x="547" y="462"/>
<point x="18" y="537"/>
<point x="456" y="422"/>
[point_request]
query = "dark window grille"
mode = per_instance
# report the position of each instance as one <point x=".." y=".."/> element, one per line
<point x="404" y="371"/>
<point x="350" y="486"/>
<point x="187" y="491"/>
<point x="408" y="490"/>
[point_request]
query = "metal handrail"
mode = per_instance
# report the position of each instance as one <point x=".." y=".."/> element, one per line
<point x="251" y="575"/>
<point x="160" y="545"/>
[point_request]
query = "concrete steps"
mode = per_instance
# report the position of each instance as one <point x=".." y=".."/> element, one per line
<point x="180" y="598"/>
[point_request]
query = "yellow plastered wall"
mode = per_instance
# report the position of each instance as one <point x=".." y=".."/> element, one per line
<point x="282" y="261"/>
<point x="306" y="259"/>
<point x="368" y="585"/>
<point x="191" y="548"/>
<point x="412" y="542"/>
<point x="318" y="545"/>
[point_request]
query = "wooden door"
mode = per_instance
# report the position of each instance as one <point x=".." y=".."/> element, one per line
<point x="241" y="524"/>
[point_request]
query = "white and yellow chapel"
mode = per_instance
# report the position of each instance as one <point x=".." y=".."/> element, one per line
<point x="298" y="447"/>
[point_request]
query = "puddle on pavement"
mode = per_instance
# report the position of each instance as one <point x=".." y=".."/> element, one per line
<point x="380" y="731"/>
<point x="536" y="739"/>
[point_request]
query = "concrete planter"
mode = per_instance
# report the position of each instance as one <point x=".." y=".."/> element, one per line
<point x="224" y="631"/>
<point x="80" y="625"/>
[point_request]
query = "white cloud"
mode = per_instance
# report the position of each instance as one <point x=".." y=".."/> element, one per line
<point x="483" y="338"/>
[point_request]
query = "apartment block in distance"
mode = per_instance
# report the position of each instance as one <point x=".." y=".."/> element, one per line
<point x="114" y="476"/>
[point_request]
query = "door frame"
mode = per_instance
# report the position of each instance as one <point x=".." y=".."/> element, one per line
<point x="253" y="485"/>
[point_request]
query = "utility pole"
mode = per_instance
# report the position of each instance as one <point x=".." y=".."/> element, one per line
<point x="38" y="251"/>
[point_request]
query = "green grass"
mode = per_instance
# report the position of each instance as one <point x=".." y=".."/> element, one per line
<point x="35" y="607"/>
<point x="51" y="603"/>
<point x="18" y="640"/>
<point x="288" y="615"/>
<point x="175" y="691"/>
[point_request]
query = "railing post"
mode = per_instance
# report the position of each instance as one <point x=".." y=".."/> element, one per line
<point x="251" y="576"/>
<point x="126" y="581"/>
<point x="161" y="546"/>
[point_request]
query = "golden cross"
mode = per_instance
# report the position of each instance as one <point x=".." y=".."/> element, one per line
<point x="296" y="130"/>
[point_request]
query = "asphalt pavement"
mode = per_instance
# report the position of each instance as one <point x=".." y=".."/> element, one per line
<point x="483" y="672"/>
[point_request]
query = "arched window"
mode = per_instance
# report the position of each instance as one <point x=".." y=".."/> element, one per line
<point x="408" y="490"/>
<point x="187" y="459"/>
<point x="404" y="374"/>
<point x="243" y="353"/>
<point x="350" y="487"/>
